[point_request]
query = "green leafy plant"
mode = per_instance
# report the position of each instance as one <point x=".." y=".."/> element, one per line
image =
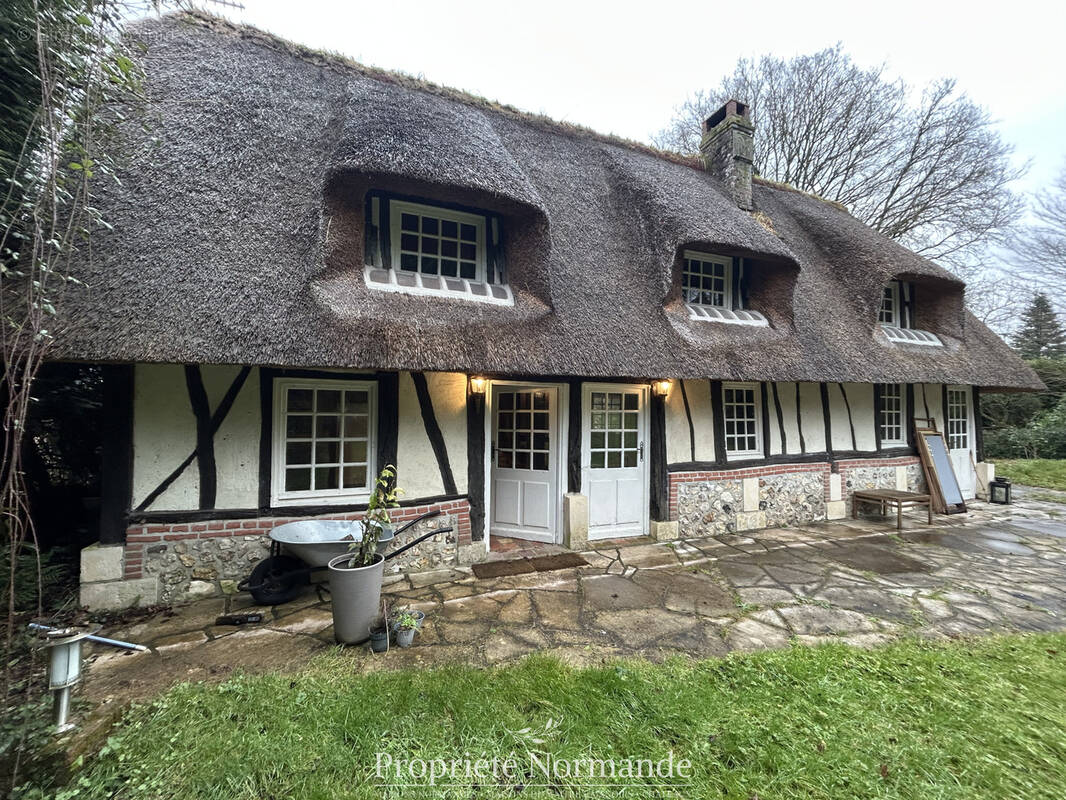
<point x="405" y="620"/>
<point x="383" y="498"/>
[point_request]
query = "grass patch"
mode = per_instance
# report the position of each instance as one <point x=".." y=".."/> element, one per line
<point x="983" y="718"/>
<point x="1047" y="473"/>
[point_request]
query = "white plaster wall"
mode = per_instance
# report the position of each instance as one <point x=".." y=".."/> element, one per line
<point x="811" y="418"/>
<point x="786" y="393"/>
<point x="678" y="446"/>
<point x="419" y="473"/>
<point x="164" y="433"/>
<point x="237" y="440"/>
<point x="448" y="390"/>
<point x="860" y="399"/>
<point x="933" y="406"/>
<point x="678" y="442"/>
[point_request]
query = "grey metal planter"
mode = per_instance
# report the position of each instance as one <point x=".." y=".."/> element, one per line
<point x="356" y="595"/>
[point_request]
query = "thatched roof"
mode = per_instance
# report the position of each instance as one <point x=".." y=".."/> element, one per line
<point x="238" y="239"/>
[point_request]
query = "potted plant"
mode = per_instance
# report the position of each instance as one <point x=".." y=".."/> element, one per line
<point x="406" y="625"/>
<point x="355" y="577"/>
<point x="379" y="633"/>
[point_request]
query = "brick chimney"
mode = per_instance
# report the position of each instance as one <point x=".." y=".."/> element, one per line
<point x="728" y="149"/>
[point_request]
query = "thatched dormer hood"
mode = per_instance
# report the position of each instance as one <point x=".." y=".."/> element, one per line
<point x="238" y="214"/>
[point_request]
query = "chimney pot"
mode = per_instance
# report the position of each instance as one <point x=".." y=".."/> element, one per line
<point x="728" y="149"/>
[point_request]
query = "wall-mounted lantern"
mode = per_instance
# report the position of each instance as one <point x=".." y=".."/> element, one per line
<point x="999" y="491"/>
<point x="478" y="384"/>
<point x="661" y="387"/>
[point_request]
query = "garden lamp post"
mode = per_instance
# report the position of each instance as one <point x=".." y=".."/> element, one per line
<point x="64" y="670"/>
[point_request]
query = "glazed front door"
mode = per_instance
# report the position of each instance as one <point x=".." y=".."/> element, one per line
<point x="525" y="481"/>
<point x="960" y="438"/>
<point x="615" y="466"/>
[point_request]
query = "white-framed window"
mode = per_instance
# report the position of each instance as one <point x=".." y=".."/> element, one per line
<point x="893" y="415"/>
<point x="958" y="419"/>
<point x="707" y="280"/>
<point x="743" y="423"/>
<point x="895" y="301"/>
<point x="324" y="440"/>
<point x="436" y="251"/>
<point x="708" y="292"/>
<point x="437" y="241"/>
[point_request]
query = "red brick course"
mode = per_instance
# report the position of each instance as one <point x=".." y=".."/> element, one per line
<point x="137" y="536"/>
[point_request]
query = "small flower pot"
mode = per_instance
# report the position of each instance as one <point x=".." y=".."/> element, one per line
<point x="379" y="640"/>
<point x="405" y="637"/>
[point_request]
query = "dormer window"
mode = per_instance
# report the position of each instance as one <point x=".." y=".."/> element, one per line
<point x="896" y="316"/>
<point x="711" y="289"/>
<point x="895" y="305"/>
<point x="418" y="248"/>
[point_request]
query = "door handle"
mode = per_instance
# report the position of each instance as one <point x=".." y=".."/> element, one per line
<point x="641" y="451"/>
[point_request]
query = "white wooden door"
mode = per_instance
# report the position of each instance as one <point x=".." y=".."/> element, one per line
<point x="614" y="463"/>
<point x="960" y="436"/>
<point x="525" y="480"/>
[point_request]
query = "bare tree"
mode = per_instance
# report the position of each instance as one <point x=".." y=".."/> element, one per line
<point x="932" y="173"/>
<point x="1042" y="244"/>
<point x="71" y="61"/>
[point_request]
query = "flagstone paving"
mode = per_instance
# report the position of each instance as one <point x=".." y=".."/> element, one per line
<point x="860" y="582"/>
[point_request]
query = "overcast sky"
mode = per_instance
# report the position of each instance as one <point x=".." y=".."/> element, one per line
<point x="622" y="67"/>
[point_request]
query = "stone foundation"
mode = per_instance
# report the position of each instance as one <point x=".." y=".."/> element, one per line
<point x="166" y="563"/>
<point x="708" y="503"/>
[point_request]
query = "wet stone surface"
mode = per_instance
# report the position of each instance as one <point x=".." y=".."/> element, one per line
<point x="995" y="569"/>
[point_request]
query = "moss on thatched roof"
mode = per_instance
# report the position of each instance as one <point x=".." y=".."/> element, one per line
<point x="238" y="219"/>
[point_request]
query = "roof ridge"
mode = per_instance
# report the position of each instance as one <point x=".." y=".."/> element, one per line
<point x="338" y="60"/>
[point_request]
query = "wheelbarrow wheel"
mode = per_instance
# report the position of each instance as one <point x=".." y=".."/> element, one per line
<point x="277" y="580"/>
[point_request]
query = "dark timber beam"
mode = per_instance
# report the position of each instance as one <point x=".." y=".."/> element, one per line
<point x="433" y="431"/>
<point x="573" y="438"/>
<point x="388" y="419"/>
<point x="116" y="453"/>
<point x="688" y="416"/>
<point x="660" y="492"/>
<point x="827" y="419"/>
<point x="205" y="440"/>
<point x="718" y="423"/>
<point x="475" y="462"/>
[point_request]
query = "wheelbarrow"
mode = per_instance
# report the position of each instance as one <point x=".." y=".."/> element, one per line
<point x="300" y="549"/>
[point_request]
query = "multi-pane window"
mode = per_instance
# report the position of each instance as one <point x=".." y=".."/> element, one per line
<point x="958" y="419"/>
<point x="523" y="430"/>
<point x="889" y="313"/>
<point x="323" y="440"/>
<point x="707" y="280"/>
<point x="614" y="430"/>
<point x="741" y="411"/>
<point x="438" y="241"/>
<point x="893" y="430"/>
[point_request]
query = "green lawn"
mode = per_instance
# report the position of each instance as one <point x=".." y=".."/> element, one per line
<point x="1044" y="472"/>
<point x="983" y="718"/>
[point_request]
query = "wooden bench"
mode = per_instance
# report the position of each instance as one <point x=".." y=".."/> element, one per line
<point x="886" y="498"/>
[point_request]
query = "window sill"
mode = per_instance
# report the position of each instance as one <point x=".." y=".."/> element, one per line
<point x="898" y="335"/>
<point x="415" y="283"/>
<point x="727" y="316"/>
<point x="731" y="457"/>
<point x="314" y="499"/>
